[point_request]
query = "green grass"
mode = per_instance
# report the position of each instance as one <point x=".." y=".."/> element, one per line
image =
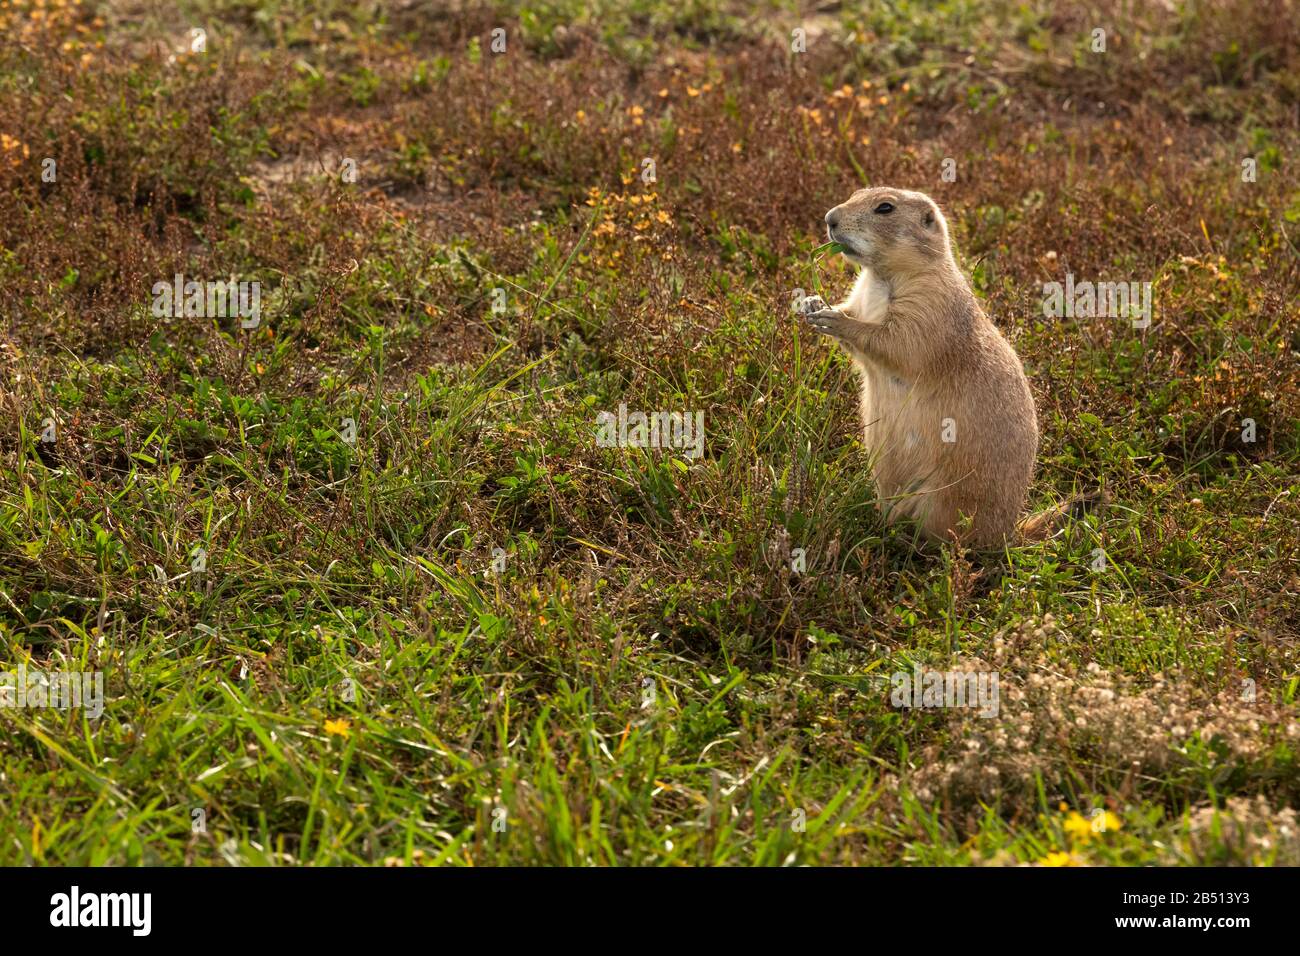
<point x="473" y="636"/>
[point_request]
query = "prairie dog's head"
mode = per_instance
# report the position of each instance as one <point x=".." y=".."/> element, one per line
<point x="893" y="232"/>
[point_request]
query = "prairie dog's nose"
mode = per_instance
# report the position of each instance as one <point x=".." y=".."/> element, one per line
<point x="833" y="217"/>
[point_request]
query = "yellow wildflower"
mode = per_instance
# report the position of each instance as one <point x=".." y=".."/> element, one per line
<point x="1059" y="859"/>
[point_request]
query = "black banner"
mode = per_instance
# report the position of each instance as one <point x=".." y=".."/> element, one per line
<point x="348" y="905"/>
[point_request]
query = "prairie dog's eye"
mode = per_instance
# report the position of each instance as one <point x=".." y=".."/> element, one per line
<point x="885" y="208"/>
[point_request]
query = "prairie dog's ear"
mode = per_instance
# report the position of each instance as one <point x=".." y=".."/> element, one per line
<point x="928" y="219"/>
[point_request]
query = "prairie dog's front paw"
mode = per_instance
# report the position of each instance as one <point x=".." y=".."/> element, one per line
<point x="809" y="304"/>
<point x="830" y="322"/>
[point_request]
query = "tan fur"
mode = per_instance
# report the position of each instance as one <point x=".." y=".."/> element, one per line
<point x="930" y="361"/>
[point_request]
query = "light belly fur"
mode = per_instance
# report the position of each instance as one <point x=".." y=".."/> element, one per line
<point x="897" y="426"/>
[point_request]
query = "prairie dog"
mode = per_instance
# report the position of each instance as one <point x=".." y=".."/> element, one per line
<point x="947" y="411"/>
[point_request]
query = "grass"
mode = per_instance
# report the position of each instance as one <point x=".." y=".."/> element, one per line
<point x="364" y="588"/>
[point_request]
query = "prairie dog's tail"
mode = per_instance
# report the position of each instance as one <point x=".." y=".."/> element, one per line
<point x="1043" y="525"/>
